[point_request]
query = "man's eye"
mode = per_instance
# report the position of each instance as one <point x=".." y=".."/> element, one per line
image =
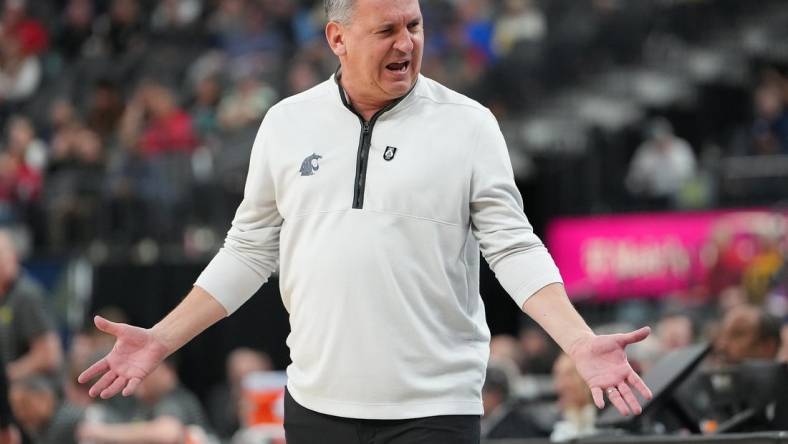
<point x="385" y="31"/>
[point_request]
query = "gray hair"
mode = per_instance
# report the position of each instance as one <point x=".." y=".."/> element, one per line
<point x="340" y="11"/>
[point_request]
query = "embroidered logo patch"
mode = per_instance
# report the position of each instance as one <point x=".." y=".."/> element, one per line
<point x="310" y="165"/>
<point x="389" y="153"/>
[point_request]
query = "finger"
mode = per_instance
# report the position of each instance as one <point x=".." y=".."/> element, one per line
<point x="131" y="386"/>
<point x="615" y="397"/>
<point x="102" y="383"/>
<point x="629" y="398"/>
<point x="634" y="336"/>
<point x="114" y="388"/>
<point x="599" y="398"/>
<point x="106" y="326"/>
<point x="94" y="370"/>
<point x="635" y="381"/>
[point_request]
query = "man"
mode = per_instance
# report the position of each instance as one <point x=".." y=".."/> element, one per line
<point x="377" y="247"/>
<point x="30" y="344"/>
<point x="503" y="418"/>
<point x="747" y="332"/>
<point x="169" y="413"/>
<point x="662" y="165"/>
<point x="41" y="412"/>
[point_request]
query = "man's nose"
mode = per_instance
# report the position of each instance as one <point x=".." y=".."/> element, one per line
<point x="404" y="42"/>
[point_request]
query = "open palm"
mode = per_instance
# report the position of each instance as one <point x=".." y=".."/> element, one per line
<point x="602" y="362"/>
<point x="135" y="355"/>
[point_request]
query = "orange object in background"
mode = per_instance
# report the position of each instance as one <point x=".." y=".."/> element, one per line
<point x="265" y="406"/>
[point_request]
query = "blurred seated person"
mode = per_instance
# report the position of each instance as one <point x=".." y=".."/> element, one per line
<point x="661" y="166"/>
<point x="502" y="415"/>
<point x="169" y="413"/>
<point x="28" y="340"/>
<point x="41" y="413"/>
<point x="507" y="348"/>
<point x="675" y="330"/>
<point x="574" y="401"/>
<point x="747" y="333"/>
<point x="224" y="400"/>
<point x="770" y="128"/>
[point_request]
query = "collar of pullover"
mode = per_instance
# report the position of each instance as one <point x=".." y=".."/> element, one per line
<point x="398" y="103"/>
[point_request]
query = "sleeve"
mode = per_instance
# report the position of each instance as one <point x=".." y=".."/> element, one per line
<point x="520" y="261"/>
<point x="251" y="248"/>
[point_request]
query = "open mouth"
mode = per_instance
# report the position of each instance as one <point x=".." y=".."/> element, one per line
<point x="398" y="67"/>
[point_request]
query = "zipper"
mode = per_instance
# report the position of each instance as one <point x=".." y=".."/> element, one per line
<point x="364" y="143"/>
<point x="362" y="159"/>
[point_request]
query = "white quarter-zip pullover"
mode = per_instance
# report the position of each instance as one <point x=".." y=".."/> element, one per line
<point x="376" y="228"/>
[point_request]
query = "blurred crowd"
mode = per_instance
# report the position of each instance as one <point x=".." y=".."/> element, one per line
<point x="119" y="119"/>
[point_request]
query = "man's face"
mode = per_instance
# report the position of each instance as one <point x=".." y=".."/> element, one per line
<point x="738" y="339"/>
<point x="383" y="45"/>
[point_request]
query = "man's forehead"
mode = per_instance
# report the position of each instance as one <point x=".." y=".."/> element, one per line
<point x="381" y="11"/>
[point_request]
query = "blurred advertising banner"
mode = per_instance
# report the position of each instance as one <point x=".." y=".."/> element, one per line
<point x="656" y="254"/>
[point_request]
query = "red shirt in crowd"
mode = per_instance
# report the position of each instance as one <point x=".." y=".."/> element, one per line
<point x="173" y="132"/>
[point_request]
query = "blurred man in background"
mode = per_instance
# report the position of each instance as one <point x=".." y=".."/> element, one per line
<point x="747" y="332"/>
<point x="41" y="412"/>
<point x="30" y="344"/>
<point x="169" y="413"/>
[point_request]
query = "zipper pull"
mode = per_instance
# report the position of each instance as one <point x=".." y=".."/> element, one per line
<point x="365" y="127"/>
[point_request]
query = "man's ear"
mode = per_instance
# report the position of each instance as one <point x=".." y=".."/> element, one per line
<point x="335" y="34"/>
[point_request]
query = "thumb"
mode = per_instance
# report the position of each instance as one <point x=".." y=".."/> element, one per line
<point x="106" y="326"/>
<point x="634" y="336"/>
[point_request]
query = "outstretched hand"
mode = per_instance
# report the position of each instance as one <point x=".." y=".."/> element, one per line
<point x="602" y="362"/>
<point x="137" y="352"/>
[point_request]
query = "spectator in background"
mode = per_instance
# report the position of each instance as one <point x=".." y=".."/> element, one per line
<point x="675" y="329"/>
<point x="23" y="144"/>
<point x="203" y="110"/>
<point x="122" y="30"/>
<point x="661" y="166"/>
<point x="8" y="431"/>
<point x="574" y="400"/>
<point x="770" y="128"/>
<point x="105" y="109"/>
<point x="62" y="116"/>
<point x="506" y="348"/>
<point x="20" y="73"/>
<point x="502" y="417"/>
<point x="224" y="401"/>
<point x="28" y="339"/>
<point x="21" y="177"/>
<point x="747" y="332"/>
<point x="540" y="351"/>
<point x="521" y="21"/>
<point x="782" y="355"/>
<point x="76" y="29"/>
<point x="17" y="25"/>
<point x="169" y="414"/>
<point x="153" y="123"/>
<point x="74" y="186"/>
<point x="41" y="412"/>
<point x="301" y="76"/>
<point x="246" y="104"/>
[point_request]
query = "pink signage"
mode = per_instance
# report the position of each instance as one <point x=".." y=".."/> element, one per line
<point x="618" y="256"/>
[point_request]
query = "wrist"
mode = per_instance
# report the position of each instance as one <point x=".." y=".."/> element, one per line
<point x="576" y="344"/>
<point x="163" y="344"/>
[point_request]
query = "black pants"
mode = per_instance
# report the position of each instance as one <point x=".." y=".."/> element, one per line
<point x="304" y="426"/>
